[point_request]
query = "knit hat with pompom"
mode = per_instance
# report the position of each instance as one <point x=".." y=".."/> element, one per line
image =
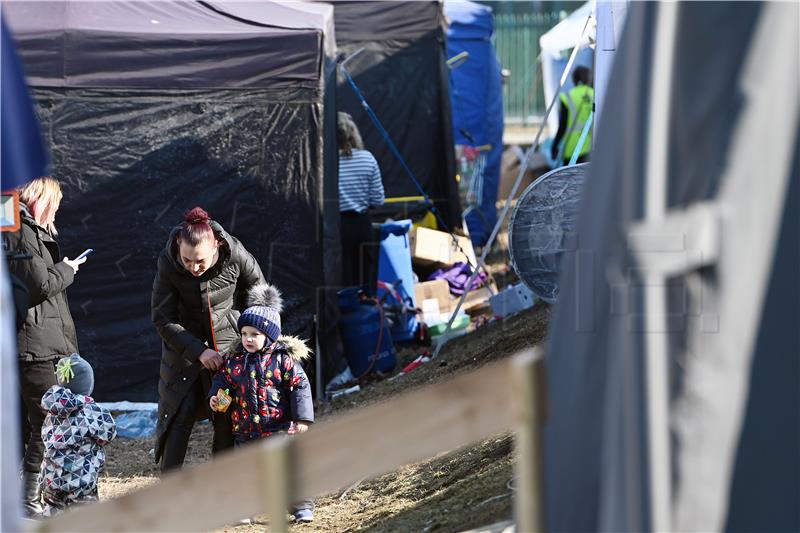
<point x="264" y="306"/>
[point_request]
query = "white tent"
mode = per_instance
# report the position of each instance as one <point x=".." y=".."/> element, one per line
<point x="564" y="34"/>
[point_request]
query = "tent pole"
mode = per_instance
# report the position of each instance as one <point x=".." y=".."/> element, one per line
<point x="657" y="356"/>
<point x="581" y="139"/>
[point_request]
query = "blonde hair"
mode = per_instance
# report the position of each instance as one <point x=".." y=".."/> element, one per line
<point x="347" y="134"/>
<point x="42" y="196"/>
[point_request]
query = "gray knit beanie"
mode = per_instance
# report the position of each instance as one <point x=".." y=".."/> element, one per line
<point x="264" y="306"/>
<point x="76" y="374"/>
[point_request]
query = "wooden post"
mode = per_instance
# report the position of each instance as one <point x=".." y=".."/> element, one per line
<point x="278" y="482"/>
<point x="527" y="377"/>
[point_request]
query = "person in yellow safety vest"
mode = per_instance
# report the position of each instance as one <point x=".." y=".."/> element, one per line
<point x="576" y="106"/>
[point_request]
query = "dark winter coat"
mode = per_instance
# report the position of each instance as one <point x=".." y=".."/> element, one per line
<point x="48" y="331"/>
<point x="269" y="389"/>
<point x="180" y="313"/>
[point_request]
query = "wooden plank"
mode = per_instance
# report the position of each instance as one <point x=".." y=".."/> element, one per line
<point x="528" y="394"/>
<point x="277" y="484"/>
<point x="377" y="439"/>
<point x="507" y="526"/>
<point x="413" y="426"/>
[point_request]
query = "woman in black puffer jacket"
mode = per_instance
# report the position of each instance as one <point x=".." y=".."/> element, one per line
<point x="203" y="278"/>
<point x="48" y="332"/>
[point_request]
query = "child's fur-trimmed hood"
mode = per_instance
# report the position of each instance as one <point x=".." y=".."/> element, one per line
<point x="295" y="347"/>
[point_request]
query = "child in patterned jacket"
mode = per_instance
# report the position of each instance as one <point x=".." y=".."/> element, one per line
<point x="266" y="385"/>
<point x="74" y="432"/>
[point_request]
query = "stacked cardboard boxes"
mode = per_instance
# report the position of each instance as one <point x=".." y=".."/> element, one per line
<point x="437" y="248"/>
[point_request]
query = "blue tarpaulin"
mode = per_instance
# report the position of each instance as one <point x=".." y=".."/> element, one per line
<point x="476" y="94"/>
<point x="23" y="154"/>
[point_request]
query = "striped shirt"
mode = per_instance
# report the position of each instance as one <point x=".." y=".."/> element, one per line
<point x="360" y="184"/>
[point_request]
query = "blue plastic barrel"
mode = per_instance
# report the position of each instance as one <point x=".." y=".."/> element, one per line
<point x="394" y="268"/>
<point x="360" y="325"/>
<point x="349" y="299"/>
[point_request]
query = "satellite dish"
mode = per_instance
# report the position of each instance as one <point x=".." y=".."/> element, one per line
<point x="543" y="227"/>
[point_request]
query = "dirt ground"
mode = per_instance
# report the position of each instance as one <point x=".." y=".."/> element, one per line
<point x="460" y="490"/>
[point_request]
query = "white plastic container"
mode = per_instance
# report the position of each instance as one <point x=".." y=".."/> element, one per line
<point x="430" y="312"/>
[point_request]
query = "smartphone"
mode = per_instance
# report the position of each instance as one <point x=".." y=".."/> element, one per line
<point x="84" y="254"/>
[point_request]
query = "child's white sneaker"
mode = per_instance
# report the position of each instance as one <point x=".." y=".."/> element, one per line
<point x="304" y="515"/>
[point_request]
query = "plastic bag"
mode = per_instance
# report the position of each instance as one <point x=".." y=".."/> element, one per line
<point x="457" y="277"/>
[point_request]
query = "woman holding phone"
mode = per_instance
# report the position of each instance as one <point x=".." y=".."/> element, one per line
<point x="48" y="332"/>
<point x="203" y="278"/>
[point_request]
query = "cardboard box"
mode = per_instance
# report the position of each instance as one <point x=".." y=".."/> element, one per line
<point x="431" y="247"/>
<point x="479" y="308"/>
<point x="478" y="297"/>
<point x="438" y="289"/>
<point x="510" y="164"/>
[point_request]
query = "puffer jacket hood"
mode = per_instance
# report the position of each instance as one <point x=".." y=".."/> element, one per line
<point x="60" y="401"/>
<point x="295" y="347"/>
<point x="25" y="212"/>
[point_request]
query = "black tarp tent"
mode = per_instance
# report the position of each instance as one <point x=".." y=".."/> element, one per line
<point x="151" y="108"/>
<point x="402" y="73"/>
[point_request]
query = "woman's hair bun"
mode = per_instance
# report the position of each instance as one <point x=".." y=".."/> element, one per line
<point x="195" y="228"/>
<point x="197" y="215"/>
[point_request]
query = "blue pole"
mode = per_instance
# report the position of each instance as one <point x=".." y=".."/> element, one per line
<point x="582" y="139"/>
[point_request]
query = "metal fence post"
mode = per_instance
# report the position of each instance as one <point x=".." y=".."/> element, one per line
<point x="528" y="380"/>
<point x="526" y="84"/>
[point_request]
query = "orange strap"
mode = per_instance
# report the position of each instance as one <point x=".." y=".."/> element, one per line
<point x="211" y="317"/>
